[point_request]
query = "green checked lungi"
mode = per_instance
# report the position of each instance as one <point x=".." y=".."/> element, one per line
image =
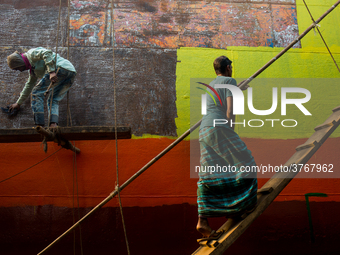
<point x="224" y="189"/>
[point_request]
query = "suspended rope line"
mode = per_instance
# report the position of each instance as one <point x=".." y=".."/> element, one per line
<point x="73" y="215"/>
<point x="68" y="29"/>
<point x="56" y="46"/>
<point x="69" y="122"/>
<point x="68" y="114"/>
<point x="246" y="82"/>
<point x="116" y="133"/>
<point x="30" y="166"/>
<point x="44" y="142"/>
<point x="75" y="180"/>
<point x="56" y="71"/>
<point x="317" y="28"/>
<point x="177" y="141"/>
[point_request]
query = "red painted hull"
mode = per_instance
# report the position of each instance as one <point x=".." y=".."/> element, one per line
<point x="159" y="206"/>
<point x="167" y="182"/>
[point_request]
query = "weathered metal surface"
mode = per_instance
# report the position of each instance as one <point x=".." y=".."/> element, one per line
<point x="146" y="91"/>
<point x="172" y="24"/>
<point x="32" y="23"/>
<point x="147" y="34"/>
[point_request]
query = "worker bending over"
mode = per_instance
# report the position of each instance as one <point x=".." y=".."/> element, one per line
<point x="41" y="64"/>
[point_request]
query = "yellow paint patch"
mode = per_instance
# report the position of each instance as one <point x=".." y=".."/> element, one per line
<point x="311" y="61"/>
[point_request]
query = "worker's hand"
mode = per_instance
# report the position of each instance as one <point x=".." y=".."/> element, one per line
<point x="53" y="77"/>
<point x="244" y="87"/>
<point x="14" y="106"/>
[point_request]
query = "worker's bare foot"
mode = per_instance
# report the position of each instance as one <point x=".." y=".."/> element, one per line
<point x="53" y="125"/>
<point x="203" y="227"/>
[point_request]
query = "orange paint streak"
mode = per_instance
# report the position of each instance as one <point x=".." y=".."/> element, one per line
<point x="201" y="24"/>
<point x="91" y="20"/>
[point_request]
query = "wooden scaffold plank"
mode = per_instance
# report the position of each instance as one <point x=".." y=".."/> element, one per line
<point x="75" y="133"/>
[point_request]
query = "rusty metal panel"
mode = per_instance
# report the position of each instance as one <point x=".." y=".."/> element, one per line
<point x="147" y="34"/>
<point x="146" y="91"/>
<point x="32" y="23"/>
<point x="90" y="23"/>
<point x="285" y="26"/>
<point x="173" y="24"/>
<point x="145" y="78"/>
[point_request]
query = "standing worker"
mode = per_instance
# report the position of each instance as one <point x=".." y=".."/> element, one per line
<point x="41" y="64"/>
<point x="223" y="194"/>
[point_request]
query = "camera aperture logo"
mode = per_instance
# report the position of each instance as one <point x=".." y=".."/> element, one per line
<point x="238" y="105"/>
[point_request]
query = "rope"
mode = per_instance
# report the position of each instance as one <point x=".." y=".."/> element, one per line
<point x="44" y="142"/>
<point x="67" y="119"/>
<point x="56" y="46"/>
<point x="68" y="29"/>
<point x="55" y="68"/>
<point x="69" y="122"/>
<point x="75" y="174"/>
<point x="68" y="114"/>
<point x="317" y="28"/>
<point x="50" y="112"/>
<point x="258" y="72"/>
<point x="30" y="166"/>
<point x="56" y="55"/>
<point x="115" y="118"/>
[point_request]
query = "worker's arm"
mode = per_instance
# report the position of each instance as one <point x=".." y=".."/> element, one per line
<point x="46" y="55"/>
<point x="32" y="79"/>
<point x="230" y="115"/>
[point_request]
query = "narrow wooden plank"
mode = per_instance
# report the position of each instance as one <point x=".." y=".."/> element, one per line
<point x="335" y="116"/>
<point x="233" y="228"/>
<point x="325" y="125"/>
<point x="69" y="133"/>
<point x="306" y="146"/>
<point x="266" y="190"/>
<point x="336" y="109"/>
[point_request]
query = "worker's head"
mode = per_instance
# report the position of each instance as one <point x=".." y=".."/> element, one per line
<point x="222" y="66"/>
<point x="16" y="62"/>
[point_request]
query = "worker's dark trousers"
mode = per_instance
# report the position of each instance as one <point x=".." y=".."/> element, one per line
<point x="57" y="92"/>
